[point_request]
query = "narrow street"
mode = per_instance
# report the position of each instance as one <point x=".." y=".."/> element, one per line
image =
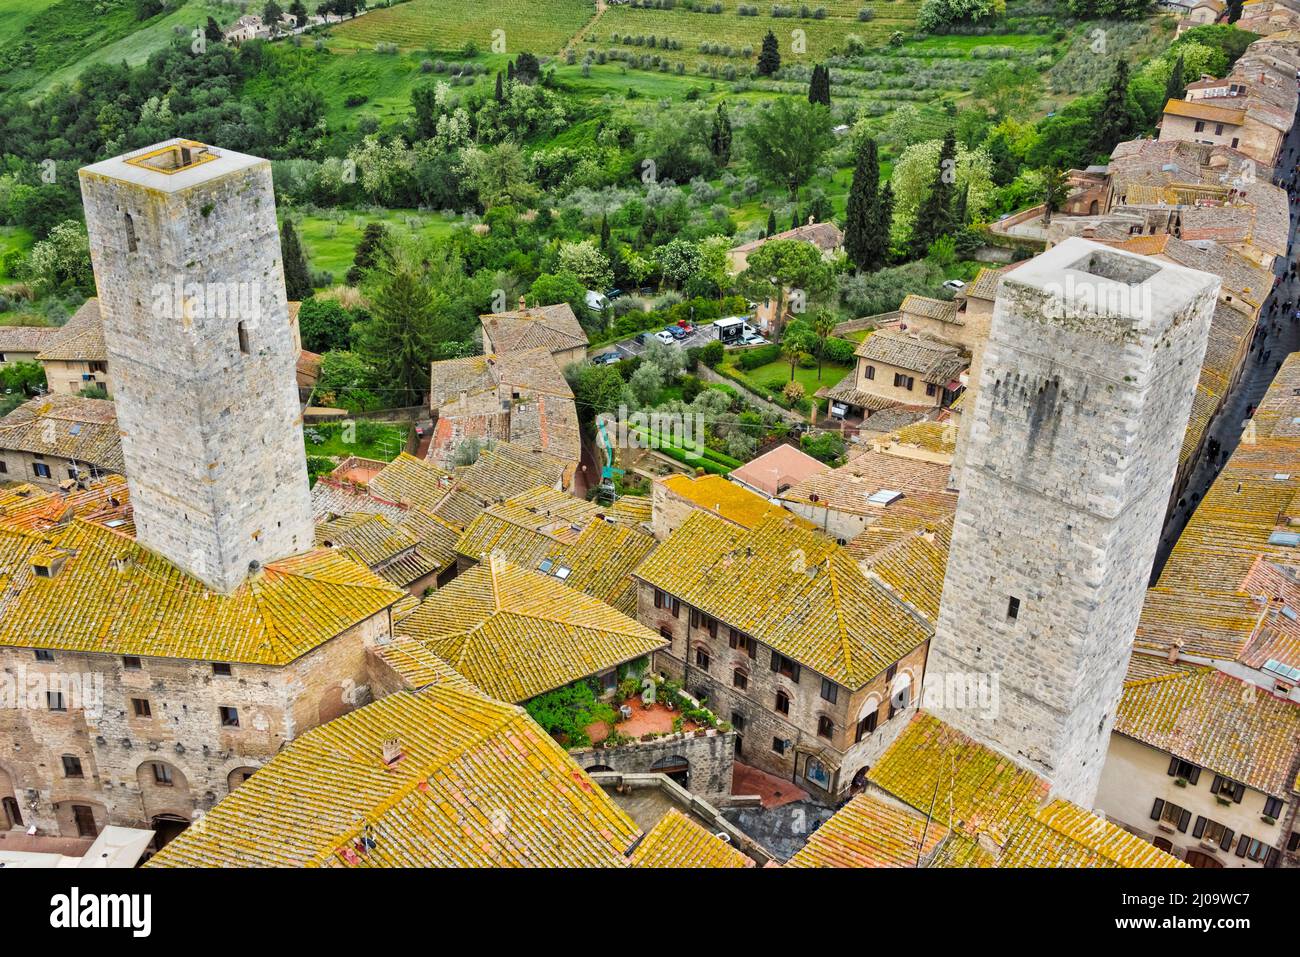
<point x="1277" y="335"/>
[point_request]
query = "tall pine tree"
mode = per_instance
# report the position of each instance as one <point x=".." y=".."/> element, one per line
<point x="866" y="235"/>
<point x="1174" y="89"/>
<point x="1115" y="120"/>
<point x="934" y="215"/>
<point x="769" y="57"/>
<point x="297" y="278"/>
<point x="398" y="340"/>
<point x="771" y="223"/>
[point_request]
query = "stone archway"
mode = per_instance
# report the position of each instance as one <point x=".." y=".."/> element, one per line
<point x="238" y="776"/>
<point x="164" y="790"/>
<point x="11" y="814"/>
<point x="674" y="766"/>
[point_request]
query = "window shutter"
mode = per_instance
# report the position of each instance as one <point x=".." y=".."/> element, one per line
<point x="1238" y="793"/>
<point x="1156" y="809"/>
<point x="1226" y="843"/>
<point x="1270" y="860"/>
<point x="1173" y="767"/>
<point x="1183" y="820"/>
<point x="794" y="674"/>
<point x="772" y="661"/>
<point x="752" y="645"/>
<point x="1194" y="775"/>
<point x="1218" y="782"/>
<point x="659" y="598"/>
<point x="1199" y="829"/>
<point x="1243" y="843"/>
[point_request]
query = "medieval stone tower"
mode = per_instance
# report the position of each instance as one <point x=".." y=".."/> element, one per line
<point x="186" y="254"/>
<point x="1087" y="383"/>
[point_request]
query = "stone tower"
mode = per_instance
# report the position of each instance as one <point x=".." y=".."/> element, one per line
<point x="1087" y="383"/>
<point x="186" y="253"/>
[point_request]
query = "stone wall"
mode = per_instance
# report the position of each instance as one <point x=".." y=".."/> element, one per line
<point x="710" y="755"/>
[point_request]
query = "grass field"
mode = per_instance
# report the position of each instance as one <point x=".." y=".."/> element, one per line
<point x="12" y="238"/>
<point x="385" y="445"/>
<point x="770" y="379"/>
<point x="330" y="239"/>
<point x="539" y="26"/>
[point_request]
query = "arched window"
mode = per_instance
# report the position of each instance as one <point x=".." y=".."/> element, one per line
<point x="740" y="679"/>
<point x="782" y="702"/>
<point x="130" y="233"/>
<point x="825" y="727"/>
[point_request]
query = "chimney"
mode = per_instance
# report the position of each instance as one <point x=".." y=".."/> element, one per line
<point x="523" y="304"/>
<point x="393" y="752"/>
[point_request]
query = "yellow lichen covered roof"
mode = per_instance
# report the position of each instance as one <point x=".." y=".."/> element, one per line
<point x="80" y="339"/>
<point x="792" y="589"/>
<point x="552" y="532"/>
<point x="735" y="503"/>
<point x="912" y="565"/>
<point x="479" y="784"/>
<point x="1218" y="722"/>
<point x="871" y="832"/>
<point x="677" y="841"/>
<point x="998" y="812"/>
<point x="116" y="597"/>
<point x="517" y="633"/>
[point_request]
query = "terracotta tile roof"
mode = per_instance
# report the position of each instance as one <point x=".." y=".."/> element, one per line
<point x="1218" y="722"/>
<point x="871" y="832"/>
<point x="999" y="812"/>
<point x="941" y="310"/>
<point x="1201" y="601"/>
<point x="554" y="328"/>
<point x="792" y="589"/>
<point x="500" y="472"/>
<point x="116" y="597"/>
<point x="411" y="481"/>
<point x="26" y="338"/>
<point x="1200" y="110"/>
<point x="599" y="546"/>
<point x="496" y="376"/>
<point x="909" y="556"/>
<point x="517" y="633"/>
<point x="1142" y="666"/>
<point x="930" y="435"/>
<point x="107" y="502"/>
<point x="677" y="841"/>
<point x="934" y="361"/>
<point x="80" y="339"/>
<point x="66" y="426"/>
<point x="846" y="392"/>
<point x="727" y="500"/>
<point x="479" y="784"/>
<point x="777" y="469"/>
<point x="850" y="488"/>
<point x="825" y="236"/>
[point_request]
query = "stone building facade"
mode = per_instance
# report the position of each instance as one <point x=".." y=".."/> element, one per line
<point x="1087" y="384"/>
<point x="186" y="253"/>
<point x="155" y="742"/>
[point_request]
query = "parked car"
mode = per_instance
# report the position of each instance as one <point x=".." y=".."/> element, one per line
<point x="666" y="337"/>
<point x="956" y="285"/>
<point x="613" y="294"/>
<point x="677" y="332"/>
<point x="753" y="339"/>
<point x="686" y="326"/>
<point x="640" y="338"/>
<point x="606" y="359"/>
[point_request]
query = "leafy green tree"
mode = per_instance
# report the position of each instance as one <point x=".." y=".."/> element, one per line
<point x="324" y="325"/>
<point x="550" y="289"/>
<point x="272" y="13"/>
<point x="823" y="327"/>
<point x="297" y="278"/>
<point x="788" y="141"/>
<point x="786" y="264"/>
<point x="769" y="56"/>
<point x="866" y="233"/>
<point x="1006" y="90"/>
<point x="1055" y="190"/>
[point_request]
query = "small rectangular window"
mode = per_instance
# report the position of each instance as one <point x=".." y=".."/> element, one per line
<point x="221" y="668"/>
<point x="867" y="725"/>
<point x="72" y="767"/>
<point x="130" y="663"/>
<point x="738" y="721"/>
<point x="229" y="717"/>
<point x="830" y="690"/>
<point x="701" y="659"/>
<point x="739" y="679"/>
<point x="44" y="654"/>
<point x="41" y="470"/>
<point x="55" y="700"/>
<point x="778" y="745"/>
<point x="1273" y="807"/>
<point x="1013" y="608"/>
<point x="243" y="338"/>
<point x="825" y="728"/>
<point x="131" y="243"/>
<point x="141" y="708"/>
<point x="868" y="372"/>
<point x="162" y="774"/>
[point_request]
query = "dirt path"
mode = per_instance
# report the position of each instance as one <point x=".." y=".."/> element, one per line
<point x="601" y="7"/>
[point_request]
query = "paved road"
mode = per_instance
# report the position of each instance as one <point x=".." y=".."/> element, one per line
<point x="1278" y="336"/>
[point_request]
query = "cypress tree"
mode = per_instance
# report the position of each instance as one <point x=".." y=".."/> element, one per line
<point x="297" y="279"/>
<point x="794" y="219"/>
<point x="769" y="57"/>
<point x="501" y="90"/>
<point x="604" y="231"/>
<point x="819" y="86"/>
<point x="720" y="136"/>
<point x="366" y="249"/>
<point x="771" y="223"/>
<point x="866" y="238"/>
<point x="934" y="215"/>
<point x="1115" y="121"/>
<point x="1174" y="89"/>
<point x="959" y="209"/>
